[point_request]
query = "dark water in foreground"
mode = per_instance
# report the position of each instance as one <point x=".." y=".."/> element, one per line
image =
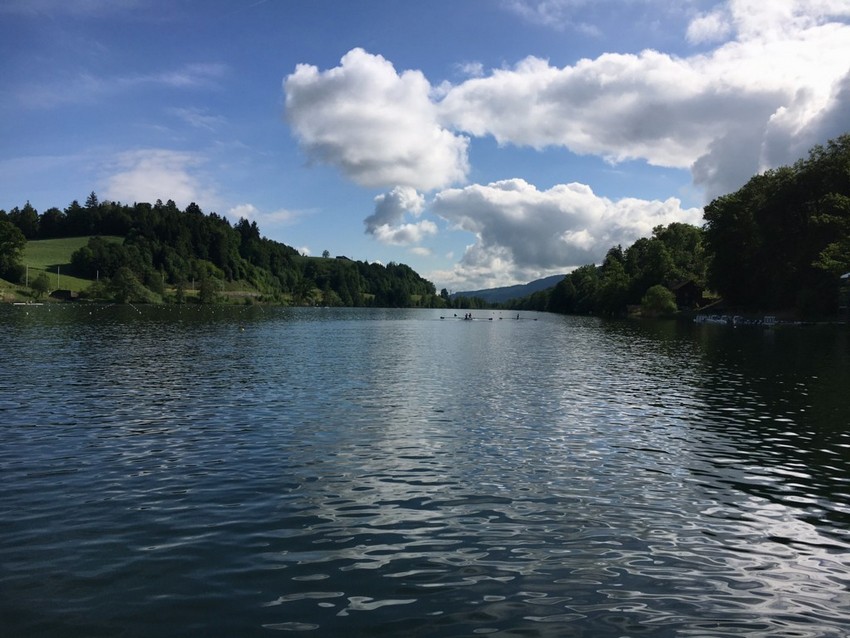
<point x="187" y="472"/>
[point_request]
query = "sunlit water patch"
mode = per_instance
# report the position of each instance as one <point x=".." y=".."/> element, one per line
<point x="241" y="472"/>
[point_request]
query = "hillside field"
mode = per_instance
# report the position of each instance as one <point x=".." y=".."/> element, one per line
<point x="48" y="255"/>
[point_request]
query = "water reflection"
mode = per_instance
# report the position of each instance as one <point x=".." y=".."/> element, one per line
<point x="359" y="472"/>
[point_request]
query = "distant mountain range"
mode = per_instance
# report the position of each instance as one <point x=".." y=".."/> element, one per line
<point x="500" y="295"/>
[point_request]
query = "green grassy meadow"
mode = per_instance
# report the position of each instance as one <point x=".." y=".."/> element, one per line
<point x="48" y="255"/>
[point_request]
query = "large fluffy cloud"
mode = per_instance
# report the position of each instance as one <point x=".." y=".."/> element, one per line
<point x="651" y="106"/>
<point x="522" y="233"/>
<point x="778" y="82"/>
<point x="378" y="127"/>
<point x="712" y="112"/>
<point x="763" y="82"/>
<point x="723" y="113"/>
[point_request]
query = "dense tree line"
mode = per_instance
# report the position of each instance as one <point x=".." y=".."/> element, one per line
<point x="164" y="251"/>
<point x="673" y="256"/>
<point x="12" y="243"/>
<point x="781" y="242"/>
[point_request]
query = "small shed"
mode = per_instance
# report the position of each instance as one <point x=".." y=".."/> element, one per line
<point x="65" y="295"/>
<point x="688" y="294"/>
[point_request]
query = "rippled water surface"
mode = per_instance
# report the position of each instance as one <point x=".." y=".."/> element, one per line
<point x="247" y="472"/>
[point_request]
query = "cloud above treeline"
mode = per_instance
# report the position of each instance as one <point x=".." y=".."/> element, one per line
<point x="532" y="233"/>
<point x="768" y="81"/>
<point x="151" y="174"/>
<point x="146" y="175"/>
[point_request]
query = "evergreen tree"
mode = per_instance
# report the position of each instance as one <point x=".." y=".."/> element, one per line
<point x="12" y="243"/>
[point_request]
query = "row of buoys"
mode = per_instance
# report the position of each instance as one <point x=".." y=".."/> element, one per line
<point x="468" y="317"/>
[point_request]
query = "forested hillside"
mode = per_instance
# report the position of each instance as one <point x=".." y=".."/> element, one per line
<point x="780" y="243"/>
<point x="168" y="253"/>
<point x="783" y="240"/>
<point x="674" y="256"/>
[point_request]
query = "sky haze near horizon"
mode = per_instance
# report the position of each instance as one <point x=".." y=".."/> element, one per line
<point x="482" y="142"/>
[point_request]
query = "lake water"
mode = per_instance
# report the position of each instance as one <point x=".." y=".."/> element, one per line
<point x="267" y="471"/>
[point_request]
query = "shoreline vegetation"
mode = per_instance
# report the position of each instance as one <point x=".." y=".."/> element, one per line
<point x="779" y="246"/>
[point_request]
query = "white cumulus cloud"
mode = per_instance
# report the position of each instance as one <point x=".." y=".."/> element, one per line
<point x="522" y="233"/>
<point x="387" y="225"/>
<point x="709" y="27"/>
<point x="776" y="72"/>
<point x="712" y="112"/>
<point x="768" y="81"/>
<point x="391" y="207"/>
<point x="378" y="127"/>
<point x="405" y="234"/>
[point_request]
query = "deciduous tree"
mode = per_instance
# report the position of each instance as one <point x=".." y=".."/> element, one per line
<point x="658" y="301"/>
<point x="40" y="285"/>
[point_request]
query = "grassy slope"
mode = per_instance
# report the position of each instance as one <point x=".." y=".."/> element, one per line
<point x="45" y="255"/>
<point x="48" y="254"/>
<point x="10" y="292"/>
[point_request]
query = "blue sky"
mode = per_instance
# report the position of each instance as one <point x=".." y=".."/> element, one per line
<point x="482" y="142"/>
